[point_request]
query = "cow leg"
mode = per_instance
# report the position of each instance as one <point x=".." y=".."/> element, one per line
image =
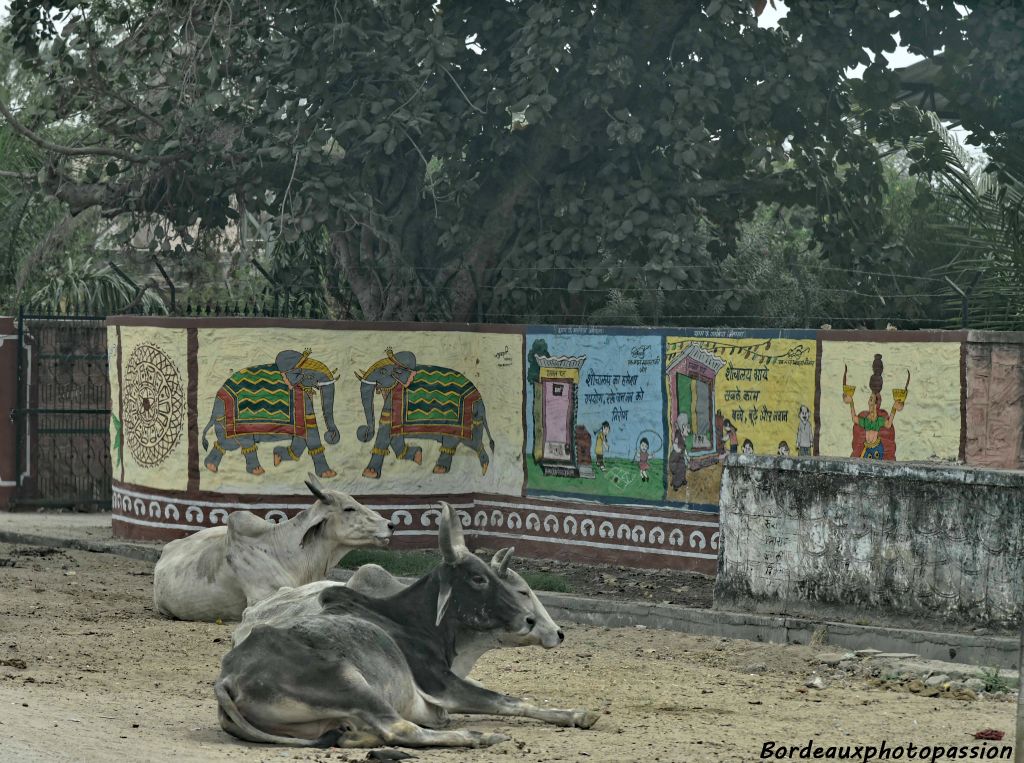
<point x="289" y="452"/>
<point x="381" y="724"/>
<point x="460" y="696"/>
<point x="444" y="460"/>
<point x="403" y="451"/>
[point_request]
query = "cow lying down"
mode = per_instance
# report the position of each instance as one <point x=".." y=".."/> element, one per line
<point x="364" y="672"/>
<point x="371" y="579"/>
<point x="217" y="572"/>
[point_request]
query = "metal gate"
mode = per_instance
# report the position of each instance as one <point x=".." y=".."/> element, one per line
<point x="62" y="414"/>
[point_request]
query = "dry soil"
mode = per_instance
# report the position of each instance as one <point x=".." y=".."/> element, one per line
<point x="88" y="672"/>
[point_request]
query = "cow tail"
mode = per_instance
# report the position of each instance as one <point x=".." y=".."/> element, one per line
<point x="233" y="722"/>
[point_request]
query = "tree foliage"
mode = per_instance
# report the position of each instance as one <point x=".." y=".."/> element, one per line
<point x="501" y="161"/>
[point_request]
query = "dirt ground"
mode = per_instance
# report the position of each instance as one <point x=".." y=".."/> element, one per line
<point x="88" y="672"/>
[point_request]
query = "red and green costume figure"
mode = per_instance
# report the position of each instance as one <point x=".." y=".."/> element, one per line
<point x="874" y="435"/>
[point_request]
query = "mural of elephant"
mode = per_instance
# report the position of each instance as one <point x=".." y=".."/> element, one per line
<point x="270" y="403"/>
<point x="421" y="402"/>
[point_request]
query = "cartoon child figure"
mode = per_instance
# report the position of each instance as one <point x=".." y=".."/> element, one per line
<point x="644" y="457"/>
<point x="783" y="448"/>
<point x="730" y="431"/>
<point x="748" y="448"/>
<point x="804" y="432"/>
<point x="601" y="444"/>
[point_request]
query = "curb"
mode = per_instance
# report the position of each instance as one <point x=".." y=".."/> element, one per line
<point x="130" y="550"/>
<point x="988" y="651"/>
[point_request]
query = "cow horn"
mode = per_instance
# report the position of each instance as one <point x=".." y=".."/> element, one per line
<point x="500" y="560"/>
<point x="360" y="375"/>
<point x="449" y="535"/>
<point x="316" y="488"/>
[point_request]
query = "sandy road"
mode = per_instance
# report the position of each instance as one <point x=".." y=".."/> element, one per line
<point x="105" y="679"/>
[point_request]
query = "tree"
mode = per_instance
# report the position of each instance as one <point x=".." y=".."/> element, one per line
<point x="464" y="161"/>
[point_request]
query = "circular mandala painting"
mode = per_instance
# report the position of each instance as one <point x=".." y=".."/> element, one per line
<point x="154" y="405"/>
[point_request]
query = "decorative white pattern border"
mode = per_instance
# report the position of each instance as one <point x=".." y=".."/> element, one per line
<point x="612" y="531"/>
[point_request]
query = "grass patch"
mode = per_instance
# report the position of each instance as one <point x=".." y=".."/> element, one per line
<point x="413" y="564"/>
<point x="994" y="682"/>
<point x="545" y="581"/>
<point x="403" y="564"/>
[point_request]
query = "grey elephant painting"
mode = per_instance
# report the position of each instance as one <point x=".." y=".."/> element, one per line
<point x="421" y="402"/>
<point x="270" y="403"/>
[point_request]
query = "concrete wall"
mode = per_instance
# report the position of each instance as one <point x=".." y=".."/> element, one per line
<point x="932" y="541"/>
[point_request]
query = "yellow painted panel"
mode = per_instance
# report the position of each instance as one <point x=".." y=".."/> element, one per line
<point x="763" y="389"/>
<point x="491" y="362"/>
<point x="927" y="428"/>
<point x="154" y="401"/>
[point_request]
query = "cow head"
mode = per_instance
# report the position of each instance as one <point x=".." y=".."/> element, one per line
<point x="470" y="590"/>
<point x="340" y="519"/>
<point x="546" y="632"/>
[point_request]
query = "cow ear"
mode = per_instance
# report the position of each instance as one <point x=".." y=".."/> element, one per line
<point x="500" y="560"/>
<point x="316" y="488"/>
<point x="313" y="532"/>
<point x="444" y="596"/>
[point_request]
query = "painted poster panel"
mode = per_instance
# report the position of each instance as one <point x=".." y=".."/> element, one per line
<point x="593" y="411"/>
<point x="150" y="418"/>
<point x="893" y="401"/>
<point x="370" y="412"/>
<point x="734" y="392"/>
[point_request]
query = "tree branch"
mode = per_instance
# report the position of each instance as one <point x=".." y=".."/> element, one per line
<point x="56" y="148"/>
<point x="17" y="175"/>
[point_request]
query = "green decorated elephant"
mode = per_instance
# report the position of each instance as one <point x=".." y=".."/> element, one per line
<point x="421" y="402"/>
<point x="274" y="402"/>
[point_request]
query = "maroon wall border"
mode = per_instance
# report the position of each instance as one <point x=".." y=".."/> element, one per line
<point x="120" y="399"/>
<point x="192" y="356"/>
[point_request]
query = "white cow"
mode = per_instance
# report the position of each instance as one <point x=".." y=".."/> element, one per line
<point x="217" y="572"/>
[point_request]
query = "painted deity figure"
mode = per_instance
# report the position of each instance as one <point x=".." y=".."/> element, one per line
<point x="874" y="435"/>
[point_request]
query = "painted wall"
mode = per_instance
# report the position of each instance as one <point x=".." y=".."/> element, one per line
<point x="488" y="365"/>
<point x="608" y="409"/>
<point x="730" y="392"/>
<point x="828" y="537"/>
<point x="608" y="443"/>
<point x="920" y="395"/>
<point x="995" y="400"/>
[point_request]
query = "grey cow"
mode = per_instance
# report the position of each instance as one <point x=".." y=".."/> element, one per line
<point x="367" y="671"/>
<point x="371" y="579"/>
